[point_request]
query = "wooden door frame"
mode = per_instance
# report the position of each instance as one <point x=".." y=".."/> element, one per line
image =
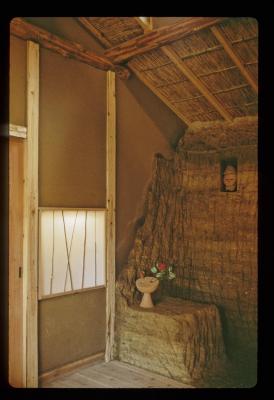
<point x="29" y="135"/>
<point x="30" y="243"/>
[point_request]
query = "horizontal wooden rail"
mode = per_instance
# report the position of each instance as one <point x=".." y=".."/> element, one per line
<point x="18" y="131"/>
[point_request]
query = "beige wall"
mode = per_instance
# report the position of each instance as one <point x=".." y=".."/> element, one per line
<point x="71" y="174"/>
<point x="71" y="133"/>
<point x="18" y="73"/>
<point x="145" y="126"/>
<point x="69" y="29"/>
<point x="70" y="328"/>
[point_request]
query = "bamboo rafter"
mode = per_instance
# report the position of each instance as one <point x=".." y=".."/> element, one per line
<point x="217" y="71"/>
<point x="231" y="53"/>
<point x="196" y="82"/>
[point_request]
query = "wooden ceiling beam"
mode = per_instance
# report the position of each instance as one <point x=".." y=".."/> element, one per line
<point x="231" y="53"/>
<point x="143" y="79"/>
<point x="158" y="37"/>
<point x="27" y="31"/>
<point x="180" y="64"/>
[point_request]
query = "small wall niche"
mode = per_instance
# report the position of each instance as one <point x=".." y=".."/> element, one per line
<point x="229" y="174"/>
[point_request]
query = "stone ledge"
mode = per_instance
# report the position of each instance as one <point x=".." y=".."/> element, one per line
<point x="177" y="338"/>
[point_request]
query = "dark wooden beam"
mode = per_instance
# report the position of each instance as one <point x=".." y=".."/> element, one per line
<point x="27" y="31"/>
<point x="158" y="38"/>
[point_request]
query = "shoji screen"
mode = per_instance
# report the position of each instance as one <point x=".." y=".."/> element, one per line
<point x="71" y="250"/>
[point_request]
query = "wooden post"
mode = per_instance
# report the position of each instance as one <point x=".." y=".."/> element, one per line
<point x="30" y="245"/>
<point x="110" y="219"/>
<point x="17" y="331"/>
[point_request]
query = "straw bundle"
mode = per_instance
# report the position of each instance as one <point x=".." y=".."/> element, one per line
<point x="180" y="91"/>
<point x="239" y="28"/>
<point x="163" y="75"/>
<point x="253" y="69"/>
<point x="209" y="62"/>
<point x="199" y="42"/>
<point x="238" y="97"/>
<point x="198" y="110"/>
<point x="223" y="80"/>
<point x="247" y="51"/>
<point x="152" y="59"/>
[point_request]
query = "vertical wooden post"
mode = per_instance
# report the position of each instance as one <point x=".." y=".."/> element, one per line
<point x="17" y="319"/>
<point x="110" y="220"/>
<point x="30" y="245"/>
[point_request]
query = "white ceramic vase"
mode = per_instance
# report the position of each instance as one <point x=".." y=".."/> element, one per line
<point x="147" y="285"/>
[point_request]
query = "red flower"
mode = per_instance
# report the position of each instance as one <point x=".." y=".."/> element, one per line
<point x="162" y="267"/>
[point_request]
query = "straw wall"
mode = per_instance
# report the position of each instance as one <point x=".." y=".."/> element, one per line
<point x="210" y="235"/>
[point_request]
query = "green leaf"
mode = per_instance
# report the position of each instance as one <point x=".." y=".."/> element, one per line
<point x="154" y="270"/>
<point x="171" y="276"/>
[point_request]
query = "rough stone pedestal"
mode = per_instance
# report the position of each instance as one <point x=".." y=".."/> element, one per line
<point x="177" y="338"/>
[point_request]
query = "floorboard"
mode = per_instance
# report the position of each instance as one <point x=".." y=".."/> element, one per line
<point x="114" y="374"/>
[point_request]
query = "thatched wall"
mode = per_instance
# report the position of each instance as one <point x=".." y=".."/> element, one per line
<point x="210" y="235"/>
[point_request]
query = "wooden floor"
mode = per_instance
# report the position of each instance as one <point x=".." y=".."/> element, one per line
<point x="114" y="374"/>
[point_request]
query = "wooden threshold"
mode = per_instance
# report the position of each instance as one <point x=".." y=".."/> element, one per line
<point x="57" y="372"/>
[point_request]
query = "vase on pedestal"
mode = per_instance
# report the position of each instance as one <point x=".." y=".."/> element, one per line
<point x="147" y="285"/>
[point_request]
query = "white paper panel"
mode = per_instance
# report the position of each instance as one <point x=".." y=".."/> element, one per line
<point x="72" y="245"/>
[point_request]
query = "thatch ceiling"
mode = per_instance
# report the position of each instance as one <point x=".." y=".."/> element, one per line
<point x="202" y="68"/>
<point x="207" y="75"/>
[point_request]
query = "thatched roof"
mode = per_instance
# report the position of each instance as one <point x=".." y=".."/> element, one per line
<point x="116" y="30"/>
<point x="223" y="67"/>
<point x="202" y="68"/>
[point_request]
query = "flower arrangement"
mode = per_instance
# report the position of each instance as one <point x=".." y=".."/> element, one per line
<point x="163" y="272"/>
